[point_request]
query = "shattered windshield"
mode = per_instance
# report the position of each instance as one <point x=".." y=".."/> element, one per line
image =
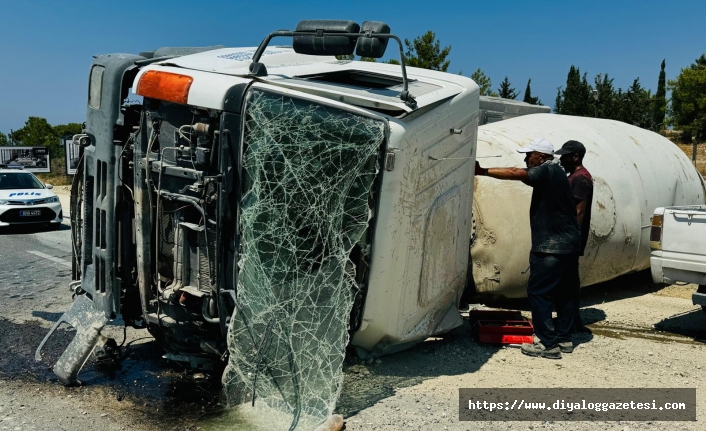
<point x="307" y="172"/>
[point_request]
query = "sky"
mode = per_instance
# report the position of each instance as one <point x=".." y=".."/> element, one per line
<point x="46" y="47"/>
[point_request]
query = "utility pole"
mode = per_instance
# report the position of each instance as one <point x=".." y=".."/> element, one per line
<point x="12" y="141"/>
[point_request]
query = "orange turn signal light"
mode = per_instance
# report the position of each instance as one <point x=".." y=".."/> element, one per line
<point x="171" y="87"/>
<point x="656" y="232"/>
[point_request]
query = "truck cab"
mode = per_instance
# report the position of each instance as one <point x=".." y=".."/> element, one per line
<point x="272" y="206"/>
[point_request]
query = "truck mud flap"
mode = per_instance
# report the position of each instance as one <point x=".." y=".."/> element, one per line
<point x="89" y="323"/>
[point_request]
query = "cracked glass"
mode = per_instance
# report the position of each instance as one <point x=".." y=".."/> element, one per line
<point x="308" y="172"/>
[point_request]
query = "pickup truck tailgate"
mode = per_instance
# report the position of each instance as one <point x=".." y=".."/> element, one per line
<point x="684" y="229"/>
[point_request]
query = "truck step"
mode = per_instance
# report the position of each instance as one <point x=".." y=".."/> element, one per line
<point x="89" y="323"/>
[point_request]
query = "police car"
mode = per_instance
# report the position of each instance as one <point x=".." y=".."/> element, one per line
<point x="25" y="200"/>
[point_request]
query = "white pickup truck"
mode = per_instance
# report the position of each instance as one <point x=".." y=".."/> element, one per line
<point x="678" y="248"/>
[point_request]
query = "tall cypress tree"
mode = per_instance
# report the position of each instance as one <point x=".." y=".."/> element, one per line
<point x="659" y="106"/>
<point x="586" y="97"/>
<point x="609" y="101"/>
<point x="633" y="106"/>
<point x="569" y="100"/>
<point x="559" y="101"/>
<point x="528" y="95"/>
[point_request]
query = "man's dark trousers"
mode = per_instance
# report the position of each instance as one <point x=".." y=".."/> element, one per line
<point x="551" y="283"/>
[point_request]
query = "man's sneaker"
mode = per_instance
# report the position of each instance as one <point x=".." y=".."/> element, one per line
<point x="566" y="347"/>
<point x="538" y="349"/>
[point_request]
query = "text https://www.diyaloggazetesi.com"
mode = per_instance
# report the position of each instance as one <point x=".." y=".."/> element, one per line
<point x="577" y="404"/>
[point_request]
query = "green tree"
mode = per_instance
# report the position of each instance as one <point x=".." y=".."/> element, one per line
<point x="38" y="132"/>
<point x="559" y="101"/>
<point x="528" y="95"/>
<point x="634" y="106"/>
<point x="688" y="107"/>
<point x="4" y="141"/>
<point x="659" y="105"/>
<point x="609" y="101"/>
<point x="70" y="129"/>
<point x="426" y="52"/>
<point x="506" y="91"/>
<point x="575" y="98"/>
<point x="483" y="82"/>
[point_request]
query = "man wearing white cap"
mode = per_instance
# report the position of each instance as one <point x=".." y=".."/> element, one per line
<point x="556" y="241"/>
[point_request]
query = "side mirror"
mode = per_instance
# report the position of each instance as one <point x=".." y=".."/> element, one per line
<point x="49" y="186"/>
<point x="369" y="45"/>
<point x="318" y="37"/>
<point x="82" y="140"/>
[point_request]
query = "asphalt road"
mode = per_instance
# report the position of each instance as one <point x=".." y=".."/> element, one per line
<point x="35" y="264"/>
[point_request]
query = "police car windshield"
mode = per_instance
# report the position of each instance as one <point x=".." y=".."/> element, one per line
<point x="19" y="180"/>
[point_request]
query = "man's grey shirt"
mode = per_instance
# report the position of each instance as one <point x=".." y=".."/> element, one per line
<point x="552" y="211"/>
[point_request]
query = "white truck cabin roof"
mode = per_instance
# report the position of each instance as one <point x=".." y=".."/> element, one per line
<point x="370" y="85"/>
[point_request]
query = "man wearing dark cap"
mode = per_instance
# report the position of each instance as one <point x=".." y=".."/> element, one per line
<point x="572" y="153"/>
<point x="556" y="239"/>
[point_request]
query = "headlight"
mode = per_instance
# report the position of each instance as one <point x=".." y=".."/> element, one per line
<point x="52" y="199"/>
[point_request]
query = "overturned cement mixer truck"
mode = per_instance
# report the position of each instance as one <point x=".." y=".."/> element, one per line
<point x="273" y="206"/>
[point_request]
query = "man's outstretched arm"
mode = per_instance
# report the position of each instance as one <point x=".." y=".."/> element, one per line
<point x="516" y="174"/>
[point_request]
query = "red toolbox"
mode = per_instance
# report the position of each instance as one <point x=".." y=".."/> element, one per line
<point x="501" y="327"/>
<point x="505" y="331"/>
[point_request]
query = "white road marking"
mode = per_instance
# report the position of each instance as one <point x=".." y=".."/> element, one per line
<point x="49" y="257"/>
